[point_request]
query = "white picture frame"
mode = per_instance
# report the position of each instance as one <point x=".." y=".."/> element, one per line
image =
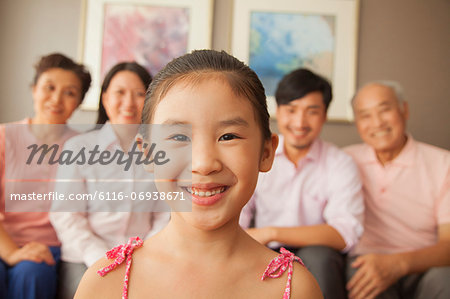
<point x="199" y="33"/>
<point x="344" y="17"/>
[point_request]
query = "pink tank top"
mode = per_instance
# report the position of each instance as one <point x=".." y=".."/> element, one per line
<point x="123" y="253"/>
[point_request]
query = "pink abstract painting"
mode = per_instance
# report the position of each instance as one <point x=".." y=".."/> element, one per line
<point x="150" y="35"/>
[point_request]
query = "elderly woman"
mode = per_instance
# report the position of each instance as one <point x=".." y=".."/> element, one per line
<point x="29" y="247"/>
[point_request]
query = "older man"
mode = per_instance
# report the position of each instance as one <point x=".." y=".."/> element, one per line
<point x="405" y="248"/>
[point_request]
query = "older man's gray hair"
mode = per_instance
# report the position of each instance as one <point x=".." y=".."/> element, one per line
<point x="393" y="85"/>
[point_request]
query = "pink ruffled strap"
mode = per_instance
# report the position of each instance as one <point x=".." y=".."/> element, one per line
<point x="277" y="267"/>
<point x="122" y="253"/>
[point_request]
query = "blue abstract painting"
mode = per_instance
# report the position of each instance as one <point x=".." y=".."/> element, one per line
<point x="282" y="42"/>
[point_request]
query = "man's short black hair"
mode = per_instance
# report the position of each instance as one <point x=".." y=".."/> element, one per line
<point x="299" y="83"/>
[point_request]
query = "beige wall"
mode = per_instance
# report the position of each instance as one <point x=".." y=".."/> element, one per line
<point x="404" y="40"/>
<point x="29" y="29"/>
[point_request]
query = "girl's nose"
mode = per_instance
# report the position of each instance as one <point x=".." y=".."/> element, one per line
<point x="205" y="158"/>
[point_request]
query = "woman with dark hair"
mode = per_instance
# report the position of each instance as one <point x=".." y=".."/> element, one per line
<point x="29" y="247"/>
<point x="133" y="67"/>
<point x="86" y="235"/>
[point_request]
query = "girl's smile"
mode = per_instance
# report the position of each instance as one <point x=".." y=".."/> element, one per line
<point x="207" y="195"/>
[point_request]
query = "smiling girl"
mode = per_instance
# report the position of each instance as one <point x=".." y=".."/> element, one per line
<point x="204" y="253"/>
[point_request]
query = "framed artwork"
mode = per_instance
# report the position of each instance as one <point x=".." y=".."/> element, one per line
<point x="277" y="37"/>
<point x="150" y="32"/>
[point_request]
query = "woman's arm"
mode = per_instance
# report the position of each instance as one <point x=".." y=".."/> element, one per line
<point x="12" y="254"/>
<point x="71" y="218"/>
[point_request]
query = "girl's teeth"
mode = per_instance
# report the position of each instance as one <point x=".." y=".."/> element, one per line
<point x="205" y="193"/>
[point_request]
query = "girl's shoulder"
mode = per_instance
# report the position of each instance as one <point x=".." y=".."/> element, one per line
<point x="93" y="285"/>
<point x="284" y="274"/>
<point x="303" y="284"/>
<point x="290" y="270"/>
<point x="279" y="274"/>
<point x="117" y="265"/>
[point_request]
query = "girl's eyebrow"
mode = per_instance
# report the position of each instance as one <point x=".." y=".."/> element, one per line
<point x="174" y="122"/>
<point x="236" y="121"/>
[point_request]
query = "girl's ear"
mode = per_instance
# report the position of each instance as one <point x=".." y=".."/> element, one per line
<point x="268" y="153"/>
<point x="140" y="141"/>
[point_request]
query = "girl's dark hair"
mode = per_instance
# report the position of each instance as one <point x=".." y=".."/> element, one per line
<point x="202" y="63"/>
<point x="57" y="60"/>
<point x="134" y="67"/>
<point x="299" y="83"/>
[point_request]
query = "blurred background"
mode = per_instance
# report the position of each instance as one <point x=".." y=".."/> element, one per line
<point x="403" y="40"/>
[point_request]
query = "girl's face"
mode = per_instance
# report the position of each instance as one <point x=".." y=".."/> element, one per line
<point x="226" y="144"/>
<point x="124" y="98"/>
<point x="56" y="94"/>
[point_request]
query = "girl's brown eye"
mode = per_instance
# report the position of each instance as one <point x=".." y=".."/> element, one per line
<point x="227" y="137"/>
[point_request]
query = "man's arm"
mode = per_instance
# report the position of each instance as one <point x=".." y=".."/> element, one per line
<point x="434" y="256"/>
<point x="376" y="272"/>
<point x="300" y="236"/>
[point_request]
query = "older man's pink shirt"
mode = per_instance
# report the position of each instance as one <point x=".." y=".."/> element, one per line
<point x="406" y="200"/>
